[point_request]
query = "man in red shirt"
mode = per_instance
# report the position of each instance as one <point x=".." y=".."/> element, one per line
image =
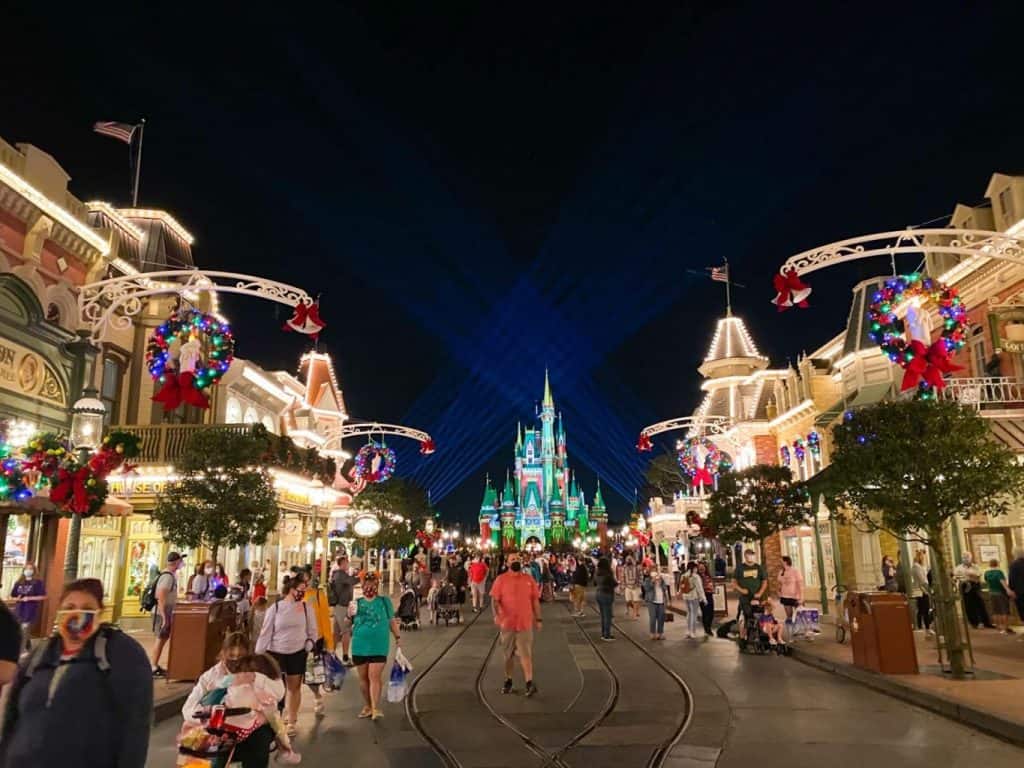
<point x="515" y="598"/>
<point x="478" y="582"/>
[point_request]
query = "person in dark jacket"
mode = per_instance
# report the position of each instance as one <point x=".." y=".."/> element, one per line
<point x="1015" y="580"/>
<point x="458" y="577"/>
<point x="84" y="697"/>
<point x="606" y="585"/>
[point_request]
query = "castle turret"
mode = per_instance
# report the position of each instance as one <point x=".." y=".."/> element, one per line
<point x="508" y="516"/>
<point x="547" y="443"/>
<point x="557" y="517"/>
<point x="488" y="509"/>
<point x="599" y="515"/>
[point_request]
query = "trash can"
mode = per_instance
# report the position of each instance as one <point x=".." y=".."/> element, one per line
<point x="197" y="633"/>
<point x="880" y="632"/>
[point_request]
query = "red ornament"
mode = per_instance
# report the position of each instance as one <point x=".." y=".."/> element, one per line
<point x="306" y="319"/>
<point x="790" y="290"/>
<point x="644" y="444"/>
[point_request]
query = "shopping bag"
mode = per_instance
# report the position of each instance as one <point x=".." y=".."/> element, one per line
<point x="335" y="671"/>
<point x="396" y="685"/>
<point x="316" y="672"/>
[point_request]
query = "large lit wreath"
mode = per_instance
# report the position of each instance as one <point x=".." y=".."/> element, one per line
<point x="374" y="463"/>
<point x="206" y="349"/>
<point x="923" y="361"/>
<point x="702" y="472"/>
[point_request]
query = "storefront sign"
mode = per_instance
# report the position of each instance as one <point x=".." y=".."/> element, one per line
<point x="28" y="374"/>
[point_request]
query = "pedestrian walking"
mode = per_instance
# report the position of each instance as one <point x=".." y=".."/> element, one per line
<point x="84" y="697"/>
<point x="657" y="593"/>
<point x="340" y="592"/>
<point x="968" y="576"/>
<point x="478" y="582"/>
<point x="921" y="592"/>
<point x="458" y="578"/>
<point x="289" y="634"/>
<point x="791" y="588"/>
<point x="578" y="593"/>
<point x="606" y="585"/>
<point x="999" y="596"/>
<point x="166" y="593"/>
<point x="515" y="600"/>
<point x="373" y="619"/>
<point x="707" y="608"/>
<point x="316" y="672"/>
<point x="631" y="587"/>
<point x="28" y="593"/>
<point x="692" y="589"/>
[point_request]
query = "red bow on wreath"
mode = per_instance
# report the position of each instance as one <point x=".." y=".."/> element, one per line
<point x="790" y="290"/>
<point x="178" y="388"/>
<point x="71" y="485"/>
<point x="644" y="444"/>
<point x="928" y="364"/>
<point x="701" y="476"/>
<point x="306" y="319"/>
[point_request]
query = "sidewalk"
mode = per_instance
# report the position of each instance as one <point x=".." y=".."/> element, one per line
<point x="168" y="697"/>
<point x="991" y="700"/>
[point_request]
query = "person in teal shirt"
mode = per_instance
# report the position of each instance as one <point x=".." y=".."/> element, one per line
<point x="998" y="593"/>
<point x="373" y="619"/>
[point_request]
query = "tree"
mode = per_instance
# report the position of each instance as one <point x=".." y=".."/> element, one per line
<point x="755" y="503"/>
<point x="224" y="496"/>
<point x="664" y="477"/>
<point x="907" y="468"/>
<point x="393" y="499"/>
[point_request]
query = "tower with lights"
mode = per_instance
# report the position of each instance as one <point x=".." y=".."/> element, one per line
<point x="541" y="505"/>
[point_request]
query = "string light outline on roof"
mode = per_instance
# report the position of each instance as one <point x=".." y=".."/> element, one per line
<point x="62" y="215"/>
<point x="750" y="348"/>
<point x="99" y="206"/>
<point x="162" y="216"/>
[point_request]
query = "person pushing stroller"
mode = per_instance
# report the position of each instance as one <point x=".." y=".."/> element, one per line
<point x="750" y="582"/>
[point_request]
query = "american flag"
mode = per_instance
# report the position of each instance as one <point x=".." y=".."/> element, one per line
<point x="720" y="274"/>
<point x="120" y="131"/>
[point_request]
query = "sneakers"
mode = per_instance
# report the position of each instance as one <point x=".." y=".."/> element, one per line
<point x="608" y="639"/>
<point x="507" y="687"/>
<point x="288" y="758"/>
<point x="530" y="688"/>
<point x="346" y="660"/>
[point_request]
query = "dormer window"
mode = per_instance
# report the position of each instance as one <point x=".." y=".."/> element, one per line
<point x="1006" y="206"/>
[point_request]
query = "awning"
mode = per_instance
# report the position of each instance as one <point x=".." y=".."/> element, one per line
<point x="115" y="507"/>
<point x="1010" y="432"/>
<point x="40" y="503"/>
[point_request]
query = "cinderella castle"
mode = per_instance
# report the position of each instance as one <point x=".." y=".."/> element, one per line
<point x="541" y="506"/>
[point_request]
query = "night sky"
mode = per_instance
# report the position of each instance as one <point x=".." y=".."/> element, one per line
<point x="482" y="191"/>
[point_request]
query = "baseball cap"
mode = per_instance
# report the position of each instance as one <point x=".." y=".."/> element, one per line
<point x="173" y="557"/>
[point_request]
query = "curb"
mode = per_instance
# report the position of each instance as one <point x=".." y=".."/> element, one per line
<point x="168" y="707"/>
<point x="994" y="725"/>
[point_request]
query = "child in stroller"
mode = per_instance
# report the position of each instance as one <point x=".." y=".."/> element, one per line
<point x="446" y="605"/>
<point x="761" y="630"/>
<point x="409" y="609"/>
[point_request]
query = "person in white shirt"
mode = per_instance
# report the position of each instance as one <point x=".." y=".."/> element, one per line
<point x="692" y="588"/>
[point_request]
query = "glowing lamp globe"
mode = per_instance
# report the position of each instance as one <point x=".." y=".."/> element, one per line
<point x="87" y="423"/>
<point x="366" y="526"/>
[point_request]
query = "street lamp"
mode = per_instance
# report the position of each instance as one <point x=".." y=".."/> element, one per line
<point x="366" y="526"/>
<point x="86" y="431"/>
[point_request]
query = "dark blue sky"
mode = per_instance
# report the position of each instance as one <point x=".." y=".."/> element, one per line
<point x="481" y="192"/>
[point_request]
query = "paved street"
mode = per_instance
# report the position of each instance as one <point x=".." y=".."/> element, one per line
<point x="604" y="704"/>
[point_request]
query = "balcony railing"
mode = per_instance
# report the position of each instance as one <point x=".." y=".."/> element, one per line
<point x="986" y="392"/>
<point x="165" y="443"/>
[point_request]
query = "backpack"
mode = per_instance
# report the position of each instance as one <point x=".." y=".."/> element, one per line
<point x="687" y="586"/>
<point x="332" y="594"/>
<point x="147" y="600"/>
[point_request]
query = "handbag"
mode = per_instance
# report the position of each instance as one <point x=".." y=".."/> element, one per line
<point x="316" y="670"/>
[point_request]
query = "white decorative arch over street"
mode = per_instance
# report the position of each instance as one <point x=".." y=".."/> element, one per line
<point x="370" y="428"/>
<point x="694" y="425"/>
<point x="113" y="303"/>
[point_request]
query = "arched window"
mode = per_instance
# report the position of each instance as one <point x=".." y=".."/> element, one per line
<point x="268" y="423"/>
<point x="233" y="411"/>
<point x="251" y="416"/>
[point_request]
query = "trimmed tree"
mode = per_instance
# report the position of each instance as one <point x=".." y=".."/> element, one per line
<point x="907" y="468"/>
<point x="225" y="495"/>
<point x="664" y="478"/>
<point x="755" y="503"/>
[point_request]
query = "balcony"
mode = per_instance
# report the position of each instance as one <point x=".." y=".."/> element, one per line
<point x="165" y="443"/>
<point x="990" y="395"/>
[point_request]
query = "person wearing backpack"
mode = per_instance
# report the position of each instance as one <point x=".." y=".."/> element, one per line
<point x="161" y="598"/>
<point x="691" y="586"/>
<point x="84" y="697"/>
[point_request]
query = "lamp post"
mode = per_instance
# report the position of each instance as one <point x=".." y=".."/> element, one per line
<point x="366" y="526"/>
<point x="86" y="432"/>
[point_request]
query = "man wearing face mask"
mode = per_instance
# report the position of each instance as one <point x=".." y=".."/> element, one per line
<point x="515" y="598"/>
<point x="750" y="582"/>
<point x="84" y="697"/>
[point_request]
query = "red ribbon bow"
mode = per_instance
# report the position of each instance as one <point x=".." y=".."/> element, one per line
<point x="790" y="290"/>
<point x="644" y="444"/>
<point x="427" y="447"/>
<point x="702" y="477"/>
<point x="70" y="490"/>
<point x="927" y="363"/>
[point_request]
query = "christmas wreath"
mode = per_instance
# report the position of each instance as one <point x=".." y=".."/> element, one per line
<point x="375" y="463"/>
<point x="197" y="368"/>
<point x="923" y="361"/>
<point x="702" y="472"/>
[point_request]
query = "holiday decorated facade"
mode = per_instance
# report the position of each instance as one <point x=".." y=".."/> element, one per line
<point x="541" y="504"/>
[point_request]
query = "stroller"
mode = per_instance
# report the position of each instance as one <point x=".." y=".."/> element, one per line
<point x="409" y="609"/>
<point x="446" y="605"/>
<point x="754" y="639"/>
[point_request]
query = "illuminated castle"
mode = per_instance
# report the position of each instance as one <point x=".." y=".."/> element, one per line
<point x="541" y="505"/>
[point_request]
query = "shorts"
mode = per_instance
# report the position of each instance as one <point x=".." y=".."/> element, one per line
<point x="578" y="592"/>
<point x="340" y="613"/>
<point x="479" y="589"/>
<point x="790" y="601"/>
<point x="517" y="642"/>
<point x="291" y="663"/>
<point x="1000" y="603"/>
<point x="162" y="625"/>
<point x="632" y="594"/>
<point x="358" y="661"/>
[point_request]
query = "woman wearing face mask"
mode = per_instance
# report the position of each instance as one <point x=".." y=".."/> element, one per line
<point x="373" y="617"/>
<point x="289" y="634"/>
<point x="83" y="697"/>
<point x="28" y="593"/>
<point x="203" y="583"/>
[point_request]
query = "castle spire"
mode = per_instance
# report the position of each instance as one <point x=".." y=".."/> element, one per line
<point x="549" y="401"/>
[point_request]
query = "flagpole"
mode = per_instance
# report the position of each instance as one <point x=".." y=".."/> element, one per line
<point x="728" y="289"/>
<point x="138" y="164"/>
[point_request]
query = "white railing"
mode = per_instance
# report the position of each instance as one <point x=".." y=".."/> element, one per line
<point x="985" y="391"/>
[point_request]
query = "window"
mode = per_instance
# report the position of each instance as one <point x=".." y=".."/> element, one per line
<point x="233" y="411"/>
<point x="1006" y="206"/>
<point x="110" y="389"/>
<point x="268" y="424"/>
<point x="250" y="415"/>
<point x="978" y="352"/>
